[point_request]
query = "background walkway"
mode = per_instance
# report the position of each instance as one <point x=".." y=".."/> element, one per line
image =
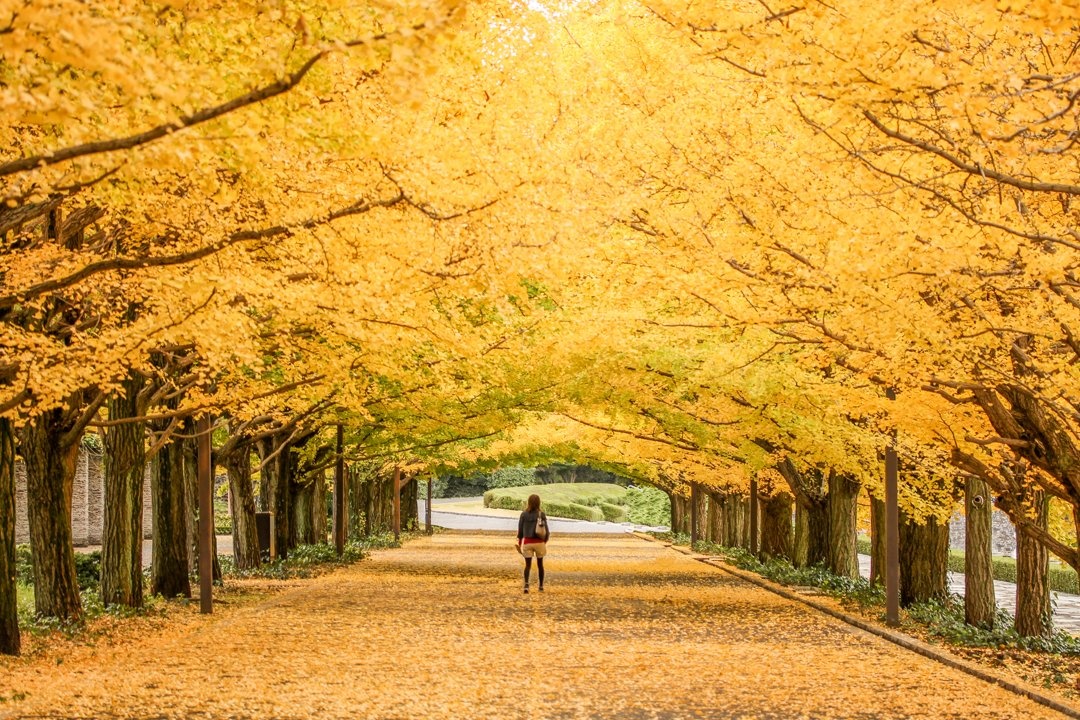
<point x="628" y="629"/>
<point x="1066" y="605"/>
<point x="469" y="514"/>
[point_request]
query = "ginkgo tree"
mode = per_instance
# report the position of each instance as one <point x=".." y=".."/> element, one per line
<point x="694" y="241"/>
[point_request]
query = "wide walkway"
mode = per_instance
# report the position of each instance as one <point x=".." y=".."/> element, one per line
<point x="440" y="629"/>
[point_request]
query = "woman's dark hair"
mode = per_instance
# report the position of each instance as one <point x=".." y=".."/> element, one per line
<point x="533" y="504"/>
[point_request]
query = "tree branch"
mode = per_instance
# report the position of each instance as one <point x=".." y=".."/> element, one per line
<point x="989" y="173"/>
<point x="253" y="97"/>
<point x="138" y="263"/>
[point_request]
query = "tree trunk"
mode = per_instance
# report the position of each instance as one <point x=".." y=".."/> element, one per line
<point x="810" y="488"/>
<point x="877" y="541"/>
<point x="274" y="486"/>
<point x="10" y="640"/>
<point x="189" y="468"/>
<point x="924" y="560"/>
<point x="714" y="529"/>
<point x="410" y="519"/>
<point x="776" y="529"/>
<point x="50" y="478"/>
<point x="744" y="522"/>
<point x="368" y="495"/>
<point x="282" y="502"/>
<point x="362" y="503"/>
<point x="1033" y="613"/>
<point x="302" y="515"/>
<point x="386" y="503"/>
<point x="680" y="520"/>
<point x="800" y="552"/>
<point x="245" y="535"/>
<point x="843" y="502"/>
<point x="979" y="602"/>
<point x="817" y="531"/>
<point x="169" y="566"/>
<point x="122" y="529"/>
<point x="700" y="511"/>
<point x="732" y="532"/>
<point x="295" y="488"/>
<point x="318" y="514"/>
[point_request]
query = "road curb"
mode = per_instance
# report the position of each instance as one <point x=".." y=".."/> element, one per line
<point x="905" y="641"/>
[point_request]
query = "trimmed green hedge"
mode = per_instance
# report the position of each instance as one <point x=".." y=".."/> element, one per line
<point x="576" y="501"/>
<point x="613" y="513"/>
<point x="1061" y="579"/>
<point x="571" y="510"/>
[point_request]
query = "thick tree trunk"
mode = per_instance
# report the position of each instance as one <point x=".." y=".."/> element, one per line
<point x="924" y="560"/>
<point x="367" y="494"/>
<point x="122" y="529"/>
<point x="1033" y="613"/>
<point x="301" y="515"/>
<point x="800" y="551"/>
<point x="776" y="529"/>
<point x="245" y="535"/>
<point x="50" y="477"/>
<point x="877" y="541"/>
<point x="817" y="532"/>
<point x="410" y="519"/>
<point x="733" y="521"/>
<point x="843" y="502"/>
<point x="744" y="522"/>
<point x="318" y="512"/>
<point x="189" y="468"/>
<point x="700" y="511"/>
<point x="812" y="512"/>
<point x="9" y="610"/>
<point x="169" y="562"/>
<point x="386" y="503"/>
<point x="275" y="490"/>
<point x="680" y="514"/>
<point x="295" y="488"/>
<point x="282" y="502"/>
<point x="979" y="602"/>
<point x="714" y="528"/>
<point x="359" y="489"/>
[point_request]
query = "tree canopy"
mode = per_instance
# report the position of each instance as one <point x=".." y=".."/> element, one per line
<point x="680" y="239"/>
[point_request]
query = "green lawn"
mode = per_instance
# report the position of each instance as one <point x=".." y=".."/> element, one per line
<point x="588" y="501"/>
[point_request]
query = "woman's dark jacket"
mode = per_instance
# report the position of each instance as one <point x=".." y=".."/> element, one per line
<point x="527" y="526"/>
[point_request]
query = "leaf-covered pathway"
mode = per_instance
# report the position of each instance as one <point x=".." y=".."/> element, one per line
<point x="440" y="629"/>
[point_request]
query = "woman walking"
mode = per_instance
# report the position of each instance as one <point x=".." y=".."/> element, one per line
<point x="532" y="537"/>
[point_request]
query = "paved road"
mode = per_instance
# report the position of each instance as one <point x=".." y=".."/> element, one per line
<point x="440" y="629"/>
<point x="474" y="520"/>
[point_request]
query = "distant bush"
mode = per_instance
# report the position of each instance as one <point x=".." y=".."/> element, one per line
<point x="223" y="522"/>
<point x="648" y="506"/>
<point x="24" y="565"/>
<point x="87" y="567"/>
<point x="511" y="477"/>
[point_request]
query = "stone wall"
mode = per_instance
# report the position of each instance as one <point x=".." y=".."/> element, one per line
<point x="1002" y="533"/>
<point x="87" y="501"/>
